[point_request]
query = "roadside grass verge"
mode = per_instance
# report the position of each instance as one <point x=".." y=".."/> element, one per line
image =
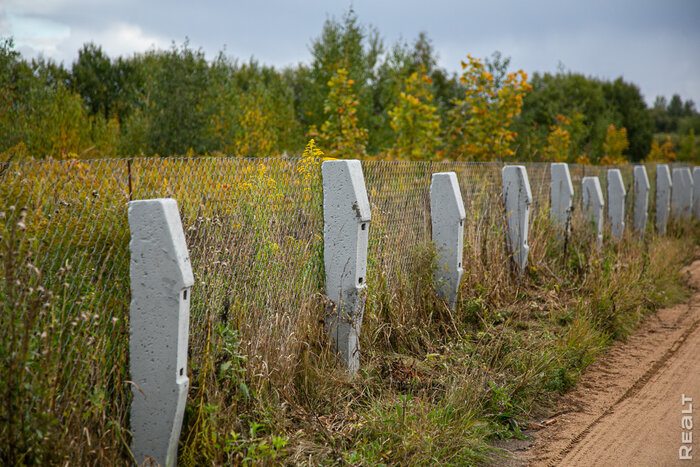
<point x="436" y="386"/>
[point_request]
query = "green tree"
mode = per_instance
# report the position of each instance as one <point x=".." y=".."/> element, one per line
<point x="253" y="110"/>
<point x="342" y="44"/>
<point x="93" y="78"/>
<point x="688" y="151"/>
<point x="174" y="105"/>
<point x="675" y="106"/>
<point x="626" y="101"/>
<point x="108" y="87"/>
<point x="562" y="94"/>
<point x="41" y="113"/>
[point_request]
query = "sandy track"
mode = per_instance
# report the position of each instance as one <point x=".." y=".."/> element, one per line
<point x="627" y="407"/>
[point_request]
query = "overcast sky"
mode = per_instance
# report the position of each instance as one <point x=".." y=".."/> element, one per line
<point x="655" y="44"/>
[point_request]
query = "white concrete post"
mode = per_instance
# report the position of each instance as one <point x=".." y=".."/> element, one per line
<point x="616" y="203"/>
<point x="682" y="193"/>
<point x="593" y="204"/>
<point x="346" y="217"/>
<point x="663" y="197"/>
<point x="696" y="192"/>
<point x="448" y="215"/>
<point x="561" y="195"/>
<point x="641" y="198"/>
<point x="161" y="277"/>
<point x="517" y="198"/>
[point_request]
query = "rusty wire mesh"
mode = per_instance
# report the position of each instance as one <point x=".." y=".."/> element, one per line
<point x="254" y="232"/>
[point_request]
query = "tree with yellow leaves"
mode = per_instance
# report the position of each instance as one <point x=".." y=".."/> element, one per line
<point x="340" y="133"/>
<point x="480" y="123"/>
<point x="663" y="153"/>
<point x="558" y="141"/>
<point x="415" y="120"/>
<point x="614" y="146"/>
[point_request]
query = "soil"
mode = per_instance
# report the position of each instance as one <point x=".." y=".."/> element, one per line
<point x="627" y="407"/>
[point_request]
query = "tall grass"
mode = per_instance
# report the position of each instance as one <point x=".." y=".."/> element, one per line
<point x="435" y="386"/>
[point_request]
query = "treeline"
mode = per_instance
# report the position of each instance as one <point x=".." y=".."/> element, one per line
<point x="356" y="98"/>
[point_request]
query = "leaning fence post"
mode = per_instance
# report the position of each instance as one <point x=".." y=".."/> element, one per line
<point x="616" y="203"/>
<point x="641" y="198"/>
<point x="448" y="214"/>
<point x="561" y="196"/>
<point x="696" y="192"/>
<point x="346" y="217"/>
<point x="663" y="197"/>
<point x="593" y="204"/>
<point x="161" y="277"/>
<point x="517" y="198"/>
<point x="682" y="193"/>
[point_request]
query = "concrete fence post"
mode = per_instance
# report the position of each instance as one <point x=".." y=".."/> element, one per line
<point x="161" y="278"/>
<point x="448" y="215"/>
<point x="346" y="218"/>
<point x="641" y="198"/>
<point x="593" y="204"/>
<point x="517" y="198"/>
<point x="616" y="203"/>
<point x="696" y="192"/>
<point x="561" y="196"/>
<point x="681" y="193"/>
<point x="663" y="197"/>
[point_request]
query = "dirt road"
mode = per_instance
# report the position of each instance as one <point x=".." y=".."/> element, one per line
<point x="628" y="407"/>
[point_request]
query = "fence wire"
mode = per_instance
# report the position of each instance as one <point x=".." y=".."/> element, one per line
<point x="254" y="231"/>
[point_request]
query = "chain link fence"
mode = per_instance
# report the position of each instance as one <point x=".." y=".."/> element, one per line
<point x="254" y="231"/>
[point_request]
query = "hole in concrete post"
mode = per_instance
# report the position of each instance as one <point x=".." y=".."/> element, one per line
<point x="459" y="265"/>
<point x="460" y="222"/>
<point x="360" y="280"/>
<point x="184" y="294"/>
<point x="182" y="371"/>
<point x="364" y="226"/>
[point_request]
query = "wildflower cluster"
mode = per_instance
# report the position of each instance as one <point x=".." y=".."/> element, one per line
<point x="309" y="170"/>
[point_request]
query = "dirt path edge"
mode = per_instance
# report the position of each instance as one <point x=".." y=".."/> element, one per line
<point x="626" y="408"/>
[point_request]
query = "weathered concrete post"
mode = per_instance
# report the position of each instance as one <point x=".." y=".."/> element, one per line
<point x="681" y="193"/>
<point x="616" y="203"/>
<point x="561" y="196"/>
<point x="593" y="204"/>
<point x="517" y="198"/>
<point x="448" y="215"/>
<point x="161" y="277"/>
<point x="663" y="197"/>
<point x="346" y="217"/>
<point x="696" y="192"/>
<point x="641" y="198"/>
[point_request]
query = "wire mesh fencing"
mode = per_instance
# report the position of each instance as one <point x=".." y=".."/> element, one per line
<point x="254" y="231"/>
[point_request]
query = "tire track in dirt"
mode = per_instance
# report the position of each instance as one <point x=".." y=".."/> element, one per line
<point x="626" y="409"/>
<point x="631" y="392"/>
